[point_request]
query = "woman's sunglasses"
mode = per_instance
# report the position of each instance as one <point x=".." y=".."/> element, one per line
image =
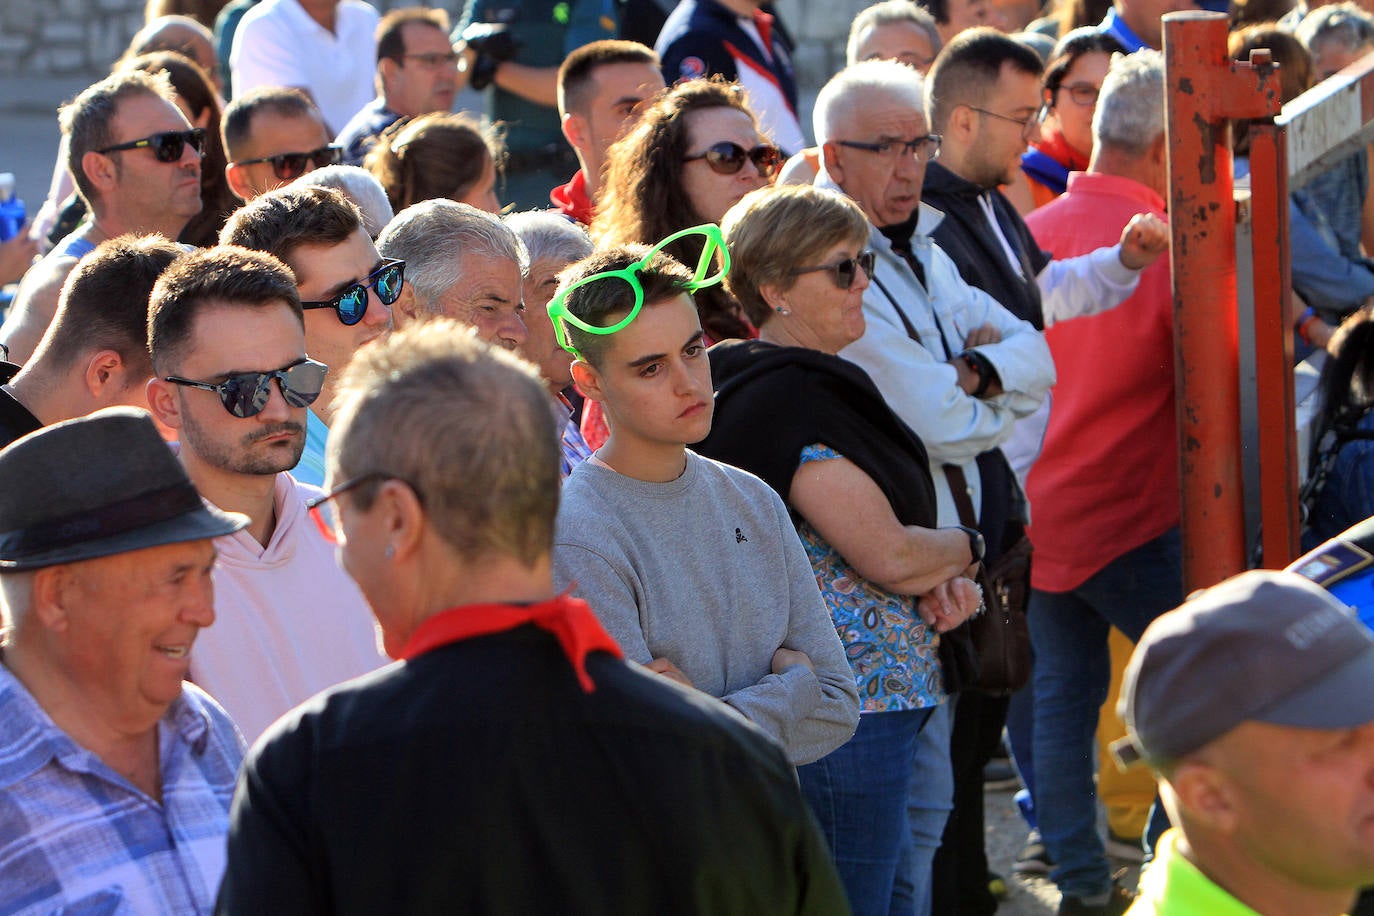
<point x="845" y="272"/>
<point x="290" y="166"/>
<point x="167" y="146"/>
<point x="351" y="304"/>
<point x="246" y="394"/>
<point x="713" y="242"/>
<point x="726" y="158"/>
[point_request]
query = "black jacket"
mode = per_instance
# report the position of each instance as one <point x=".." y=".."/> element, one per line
<point x="480" y="778"/>
<point x="965" y="236"/>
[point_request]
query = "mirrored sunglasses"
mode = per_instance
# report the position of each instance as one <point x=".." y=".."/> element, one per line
<point x="727" y="158"/>
<point x="561" y="317"/>
<point x="290" y="166"/>
<point x="246" y="394"/>
<point x="166" y="146"/>
<point x="845" y="272"/>
<point x="351" y="304"/>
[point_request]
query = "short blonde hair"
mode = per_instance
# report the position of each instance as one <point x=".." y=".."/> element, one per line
<point x="774" y="231"/>
<point x="469" y="426"/>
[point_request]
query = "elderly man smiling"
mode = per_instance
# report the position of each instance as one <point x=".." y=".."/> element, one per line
<point x="115" y="776"/>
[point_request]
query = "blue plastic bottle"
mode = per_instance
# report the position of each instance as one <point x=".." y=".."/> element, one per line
<point x="12" y="212"/>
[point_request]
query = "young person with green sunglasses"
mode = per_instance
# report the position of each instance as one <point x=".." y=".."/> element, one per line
<point x="693" y="566"/>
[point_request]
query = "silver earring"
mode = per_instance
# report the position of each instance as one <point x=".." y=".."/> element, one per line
<point x="390" y="551"/>
<point x="783" y="311"/>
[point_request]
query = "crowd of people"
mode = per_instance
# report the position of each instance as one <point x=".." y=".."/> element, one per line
<point x="595" y="503"/>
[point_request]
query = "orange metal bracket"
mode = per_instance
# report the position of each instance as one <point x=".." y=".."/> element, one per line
<point x="1204" y="89"/>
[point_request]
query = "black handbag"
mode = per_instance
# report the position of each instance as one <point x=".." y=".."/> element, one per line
<point x="998" y="638"/>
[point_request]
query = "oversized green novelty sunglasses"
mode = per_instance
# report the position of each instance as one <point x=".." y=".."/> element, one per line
<point x="561" y="317"/>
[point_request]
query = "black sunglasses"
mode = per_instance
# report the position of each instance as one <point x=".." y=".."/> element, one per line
<point x="847" y="271"/>
<point x="166" y="146"/>
<point x="246" y="394"/>
<point x="290" y="166"/>
<point x="351" y="304"/>
<point x="727" y="158"/>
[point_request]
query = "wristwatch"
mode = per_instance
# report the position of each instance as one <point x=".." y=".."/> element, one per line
<point x="976" y="545"/>
<point x="978" y="364"/>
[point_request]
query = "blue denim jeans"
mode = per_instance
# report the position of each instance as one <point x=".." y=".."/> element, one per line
<point x="1072" y="672"/>
<point x="929" y="803"/>
<point x="859" y="794"/>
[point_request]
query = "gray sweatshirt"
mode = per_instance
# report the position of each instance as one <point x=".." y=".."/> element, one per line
<point x="707" y="571"/>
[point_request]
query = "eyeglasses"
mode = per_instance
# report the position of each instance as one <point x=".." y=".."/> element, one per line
<point x="727" y="158"/>
<point x="290" y="166"/>
<point x="845" y="272"/>
<point x="434" y="61"/>
<point x="246" y="394"/>
<point x="351" y="304"/>
<point x="1084" y="94"/>
<point x="1027" y="124"/>
<point x="319" y="506"/>
<point x="166" y="146"/>
<point x="924" y="148"/>
<point x="561" y="317"/>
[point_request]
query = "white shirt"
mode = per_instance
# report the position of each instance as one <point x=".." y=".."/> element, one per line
<point x="278" y="44"/>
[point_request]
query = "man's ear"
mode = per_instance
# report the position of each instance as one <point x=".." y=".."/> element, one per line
<point x="163" y="403"/>
<point x="830" y="155"/>
<point x="386" y="71"/>
<point x="406" y="309"/>
<point x="962" y="125"/>
<point x="1205" y="793"/>
<point x="575" y="130"/>
<point x="104" y="375"/>
<point x="587" y="380"/>
<point x="399" y="517"/>
<point x="100" y="170"/>
<point x="47" y="602"/>
<point x="237" y="178"/>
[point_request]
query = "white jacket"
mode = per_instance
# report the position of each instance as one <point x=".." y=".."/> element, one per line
<point x="915" y="378"/>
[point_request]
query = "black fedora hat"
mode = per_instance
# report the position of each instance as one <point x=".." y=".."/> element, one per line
<point x="96" y="486"/>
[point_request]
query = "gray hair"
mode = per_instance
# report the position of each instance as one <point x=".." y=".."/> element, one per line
<point x="435" y="389"/>
<point x="433" y="236"/>
<point x="1130" y="108"/>
<point x="889" y="12"/>
<point x="551" y="236"/>
<point x="359" y="186"/>
<point x="1345" y="23"/>
<point x="839" y="98"/>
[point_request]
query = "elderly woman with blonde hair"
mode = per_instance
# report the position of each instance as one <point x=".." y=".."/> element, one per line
<point x="856" y="479"/>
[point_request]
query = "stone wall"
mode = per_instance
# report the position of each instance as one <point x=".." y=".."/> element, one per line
<point x="78" y="39"/>
<point x="55" y="39"/>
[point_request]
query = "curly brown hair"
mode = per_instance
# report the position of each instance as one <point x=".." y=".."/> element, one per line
<point x="644" y="200"/>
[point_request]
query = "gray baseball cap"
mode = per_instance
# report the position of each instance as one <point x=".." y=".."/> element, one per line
<point x="1262" y="646"/>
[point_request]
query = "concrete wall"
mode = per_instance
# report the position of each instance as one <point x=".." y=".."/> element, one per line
<point x="76" y="40"/>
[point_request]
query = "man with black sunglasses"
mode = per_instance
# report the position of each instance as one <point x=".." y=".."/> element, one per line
<point x="347" y="289"/>
<point x="227" y="339"/>
<point x="273" y="136"/>
<point x="135" y="160"/>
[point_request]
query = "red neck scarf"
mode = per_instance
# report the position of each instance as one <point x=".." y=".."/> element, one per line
<point x="569" y="619"/>
<point x="1053" y="144"/>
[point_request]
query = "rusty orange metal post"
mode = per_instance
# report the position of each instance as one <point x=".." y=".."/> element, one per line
<point x="1204" y="89"/>
<point x="1278" y="447"/>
